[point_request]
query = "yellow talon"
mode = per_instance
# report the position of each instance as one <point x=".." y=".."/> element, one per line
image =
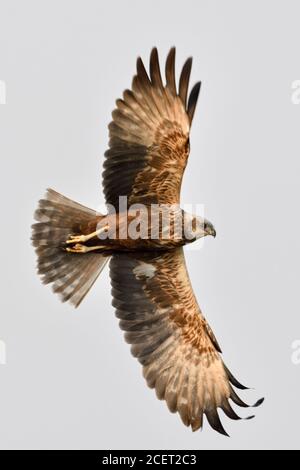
<point x="79" y="248"/>
<point x="85" y="238"/>
<point x="76" y="239"/>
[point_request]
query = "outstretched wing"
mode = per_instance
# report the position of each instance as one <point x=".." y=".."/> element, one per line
<point x="149" y="136"/>
<point x="170" y="337"/>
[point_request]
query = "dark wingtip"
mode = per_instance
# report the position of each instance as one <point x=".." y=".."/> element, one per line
<point x="249" y="417"/>
<point x="170" y="71"/>
<point x="155" y="69"/>
<point x="224" y="433"/>
<point x="215" y="422"/>
<point x="234" y="381"/>
<point x="141" y="71"/>
<point x="237" y="400"/>
<point x="192" y="101"/>
<point x="154" y="55"/>
<point x="258" y="403"/>
<point x="229" y="412"/>
<point x="138" y="62"/>
<point x="184" y="80"/>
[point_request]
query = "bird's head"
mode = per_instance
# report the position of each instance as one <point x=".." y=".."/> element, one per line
<point x="197" y="227"/>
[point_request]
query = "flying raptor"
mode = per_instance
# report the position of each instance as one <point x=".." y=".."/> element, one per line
<point x="151" y="290"/>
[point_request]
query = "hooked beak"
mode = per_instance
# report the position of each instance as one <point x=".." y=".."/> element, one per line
<point x="209" y="229"/>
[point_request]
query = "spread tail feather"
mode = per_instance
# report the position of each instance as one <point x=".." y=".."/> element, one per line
<point x="71" y="274"/>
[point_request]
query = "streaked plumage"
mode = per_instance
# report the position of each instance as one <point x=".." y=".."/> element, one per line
<point x="152" y="293"/>
<point x="170" y="337"/>
<point x="149" y="136"/>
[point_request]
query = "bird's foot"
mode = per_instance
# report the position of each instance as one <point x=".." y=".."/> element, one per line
<point x="76" y="239"/>
<point x="85" y="238"/>
<point x="79" y="248"/>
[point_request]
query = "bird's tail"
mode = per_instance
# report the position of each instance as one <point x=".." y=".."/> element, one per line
<point x="71" y="274"/>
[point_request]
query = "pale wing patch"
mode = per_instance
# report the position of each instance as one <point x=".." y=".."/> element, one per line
<point x="158" y="311"/>
<point x="146" y="270"/>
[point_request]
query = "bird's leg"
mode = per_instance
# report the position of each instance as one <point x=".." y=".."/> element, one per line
<point x="85" y="238"/>
<point x="79" y="248"/>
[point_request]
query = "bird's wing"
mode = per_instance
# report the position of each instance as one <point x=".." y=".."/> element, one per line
<point x="170" y="337"/>
<point x="149" y="136"/>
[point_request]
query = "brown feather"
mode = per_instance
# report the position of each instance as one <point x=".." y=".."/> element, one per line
<point x="170" y="71"/>
<point x="71" y="275"/>
<point x="155" y="70"/>
<point x="184" y="80"/>
<point x="154" y="118"/>
<point x="193" y="98"/>
<point x="162" y="321"/>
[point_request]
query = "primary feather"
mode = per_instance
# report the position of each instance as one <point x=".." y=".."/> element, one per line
<point x="149" y="136"/>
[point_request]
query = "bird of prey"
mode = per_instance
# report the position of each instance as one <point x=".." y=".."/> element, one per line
<point x="151" y="290"/>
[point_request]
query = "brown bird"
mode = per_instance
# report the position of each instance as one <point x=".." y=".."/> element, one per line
<point x="152" y="293"/>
